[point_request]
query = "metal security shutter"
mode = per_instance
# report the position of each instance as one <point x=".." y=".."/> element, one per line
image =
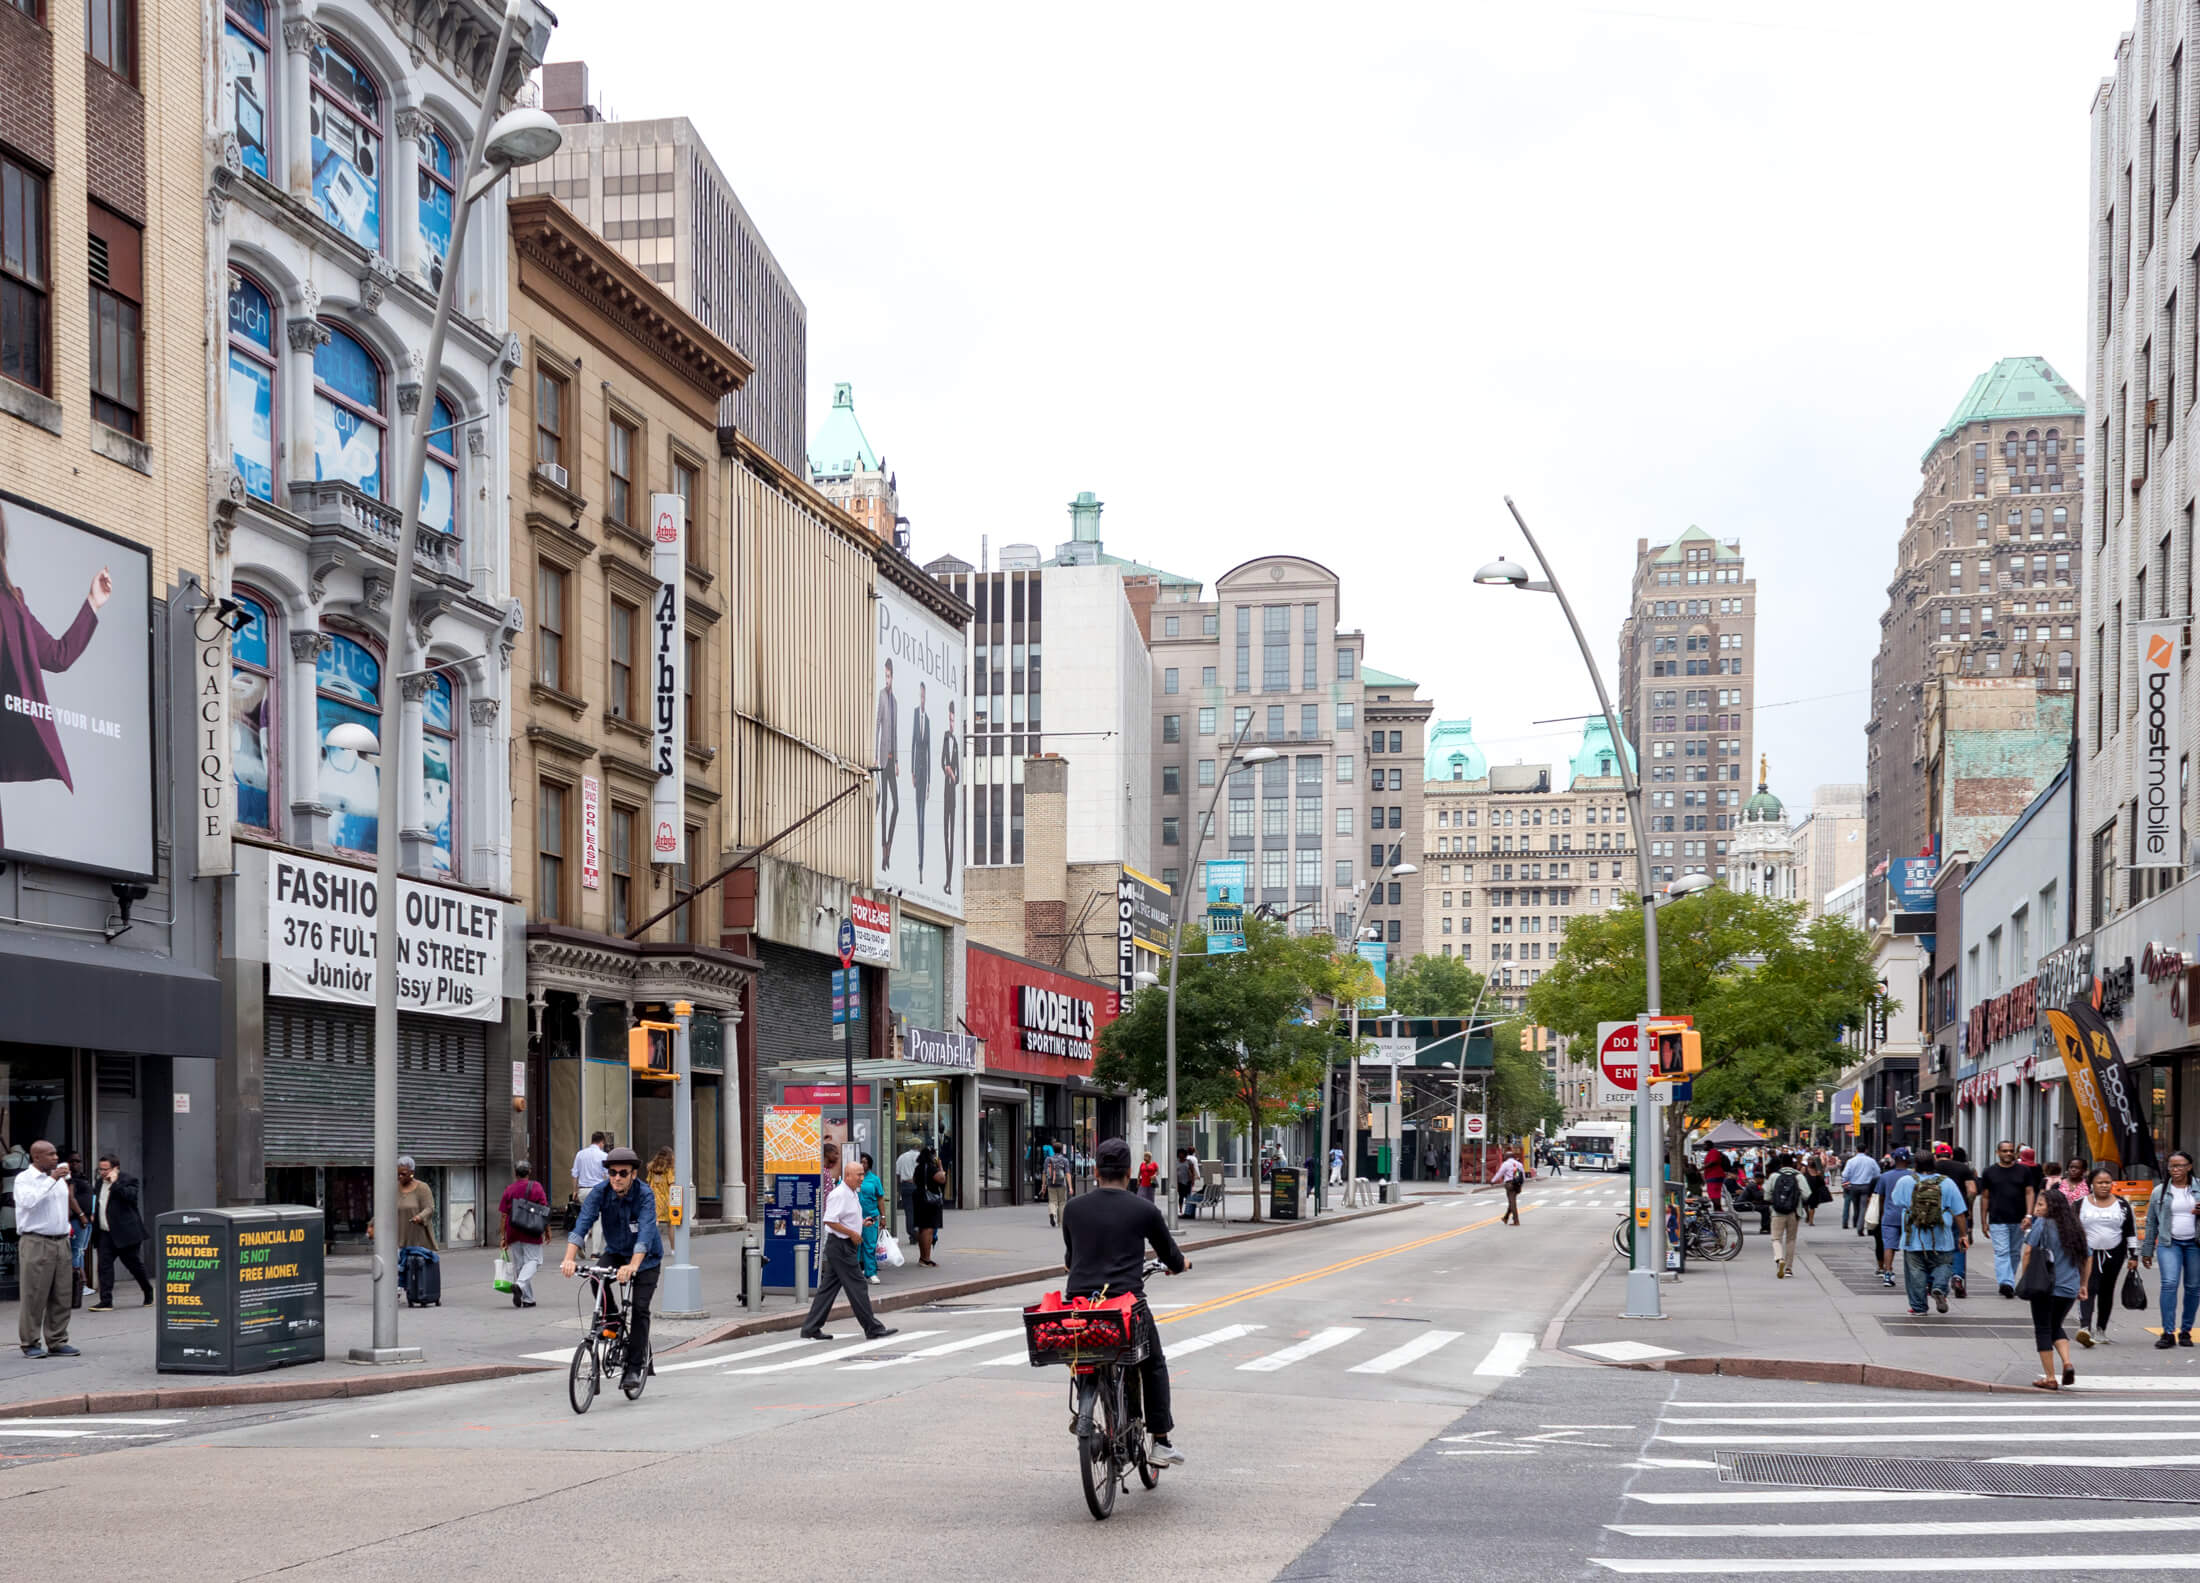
<point x="319" y="1087"/>
<point x="794" y="1010"/>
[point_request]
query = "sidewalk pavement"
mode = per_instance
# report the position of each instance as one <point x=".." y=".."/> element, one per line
<point x="476" y="1333"/>
<point x="1832" y="1320"/>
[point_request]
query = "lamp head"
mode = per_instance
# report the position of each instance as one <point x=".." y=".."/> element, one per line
<point x="1501" y="573"/>
<point x="522" y="136"/>
<point x="1258" y="756"/>
<point x="1145" y="980"/>
<point x="352" y="737"/>
<point x="1400" y="870"/>
<point x="1688" y="885"/>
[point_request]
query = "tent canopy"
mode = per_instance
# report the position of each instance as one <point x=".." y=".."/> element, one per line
<point x="1731" y="1135"/>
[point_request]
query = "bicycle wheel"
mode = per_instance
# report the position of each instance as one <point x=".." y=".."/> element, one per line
<point x="1723" y="1239"/>
<point x="1098" y="1449"/>
<point x="584" y="1376"/>
<point x="1623" y="1236"/>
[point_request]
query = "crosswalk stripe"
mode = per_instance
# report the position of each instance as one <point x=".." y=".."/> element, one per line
<point x="1212" y="1338"/>
<point x="1511" y="1351"/>
<point x="1006" y="1359"/>
<point x="871" y="1344"/>
<point x="1794" y="1497"/>
<point x="733" y="1357"/>
<point x="2126" y="1417"/>
<point x="2025" y="1565"/>
<point x="1398" y="1357"/>
<point x="1803" y="1442"/>
<point x="43" y="1434"/>
<point x="940" y="1351"/>
<point x="1320" y="1341"/>
<point x="1933" y="1530"/>
<point x="73" y="1421"/>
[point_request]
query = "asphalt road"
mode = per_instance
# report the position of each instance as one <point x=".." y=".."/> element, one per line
<point x="1306" y="1367"/>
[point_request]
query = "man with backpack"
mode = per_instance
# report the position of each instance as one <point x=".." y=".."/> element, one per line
<point x="1935" y="1222"/>
<point x="1054" y="1172"/>
<point x="1785" y="1191"/>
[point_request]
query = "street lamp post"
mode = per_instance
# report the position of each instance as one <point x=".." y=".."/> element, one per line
<point x="1256" y="757"/>
<point x="1352" y="1085"/>
<point x="499" y="144"/>
<point x="1643" y="1298"/>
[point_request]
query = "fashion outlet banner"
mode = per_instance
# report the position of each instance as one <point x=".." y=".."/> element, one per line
<point x="320" y="941"/>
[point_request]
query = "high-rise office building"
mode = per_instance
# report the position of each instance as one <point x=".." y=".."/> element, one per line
<point x="1829" y="846"/>
<point x="1985" y="582"/>
<point x="652" y="190"/>
<point x="1688" y="687"/>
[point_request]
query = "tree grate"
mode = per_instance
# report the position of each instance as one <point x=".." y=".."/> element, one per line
<point x="1817" y="1471"/>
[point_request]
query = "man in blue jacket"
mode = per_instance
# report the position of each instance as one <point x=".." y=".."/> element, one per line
<point x="628" y="1209"/>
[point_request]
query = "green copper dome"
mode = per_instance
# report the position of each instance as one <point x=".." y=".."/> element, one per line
<point x="840" y="449"/>
<point x="1596" y="757"/>
<point x="1452" y="755"/>
<point x="1764" y="808"/>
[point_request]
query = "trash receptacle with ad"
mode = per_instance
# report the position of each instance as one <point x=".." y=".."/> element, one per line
<point x="1286" y="1191"/>
<point x="241" y="1290"/>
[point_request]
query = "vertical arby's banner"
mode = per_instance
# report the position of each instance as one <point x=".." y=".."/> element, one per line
<point x="667" y="668"/>
<point x="2158" y="746"/>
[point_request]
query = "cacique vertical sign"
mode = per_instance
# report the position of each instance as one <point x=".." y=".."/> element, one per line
<point x="2159" y="746"/>
<point x="215" y="811"/>
<point x="667" y="668"/>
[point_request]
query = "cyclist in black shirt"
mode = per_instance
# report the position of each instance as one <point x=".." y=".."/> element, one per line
<point x="1104" y="1238"/>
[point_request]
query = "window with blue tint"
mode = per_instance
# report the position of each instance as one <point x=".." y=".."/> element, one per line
<point x="252" y="384"/>
<point x="347" y="681"/>
<point x="252" y="700"/>
<point x="347" y="414"/>
<point x="245" y="52"/>
<point x="439" y="479"/>
<point x="438" y="200"/>
<point x="347" y="146"/>
<point x="438" y="760"/>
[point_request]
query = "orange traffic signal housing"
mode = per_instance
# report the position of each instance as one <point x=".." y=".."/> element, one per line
<point x="649" y="1049"/>
<point x="1680" y="1050"/>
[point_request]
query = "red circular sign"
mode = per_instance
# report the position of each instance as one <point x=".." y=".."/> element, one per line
<point x="1616" y="1055"/>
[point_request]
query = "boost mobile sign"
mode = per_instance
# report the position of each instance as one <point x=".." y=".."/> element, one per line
<point x="667" y="668"/>
<point x="320" y="941"/>
<point x="2161" y="729"/>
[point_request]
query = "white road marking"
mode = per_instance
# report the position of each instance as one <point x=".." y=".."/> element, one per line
<point x="1623" y="1351"/>
<point x="871" y="1344"/>
<point x="562" y="1355"/>
<point x="1320" y="1341"/>
<point x="1178" y="1349"/>
<point x="1933" y="1530"/>
<point x="1509" y="1355"/>
<point x="732" y="1357"/>
<point x="1804" y="1442"/>
<point x="1398" y="1357"/>
<point x="1490" y="1451"/>
<point x="1793" y="1497"/>
<point x="2023" y="1565"/>
<point x="1956" y="1418"/>
<point x="1667" y="1462"/>
<point x="44" y="1434"/>
<point x="2138" y="1382"/>
<point x="1008" y="1359"/>
<point x="75" y="1421"/>
<point x="2164" y="1459"/>
<point x="940" y="1351"/>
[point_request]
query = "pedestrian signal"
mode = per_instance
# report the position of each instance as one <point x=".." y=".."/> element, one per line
<point x="649" y="1049"/>
<point x="1680" y="1050"/>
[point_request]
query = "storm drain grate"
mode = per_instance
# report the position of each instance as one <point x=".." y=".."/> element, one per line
<point x="1815" y="1471"/>
<point x="1973" y="1329"/>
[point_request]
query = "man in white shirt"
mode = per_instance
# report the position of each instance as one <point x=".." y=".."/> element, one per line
<point x="1509" y="1174"/>
<point x="1856" y="1188"/>
<point x="42" y="1255"/>
<point x="905" y="1182"/>
<point x="588" y="1175"/>
<point x="842" y="1223"/>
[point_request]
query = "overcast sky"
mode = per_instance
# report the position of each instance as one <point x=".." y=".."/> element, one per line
<point x="1335" y="286"/>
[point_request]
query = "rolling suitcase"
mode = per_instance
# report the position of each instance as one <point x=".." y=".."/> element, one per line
<point x="424" y="1280"/>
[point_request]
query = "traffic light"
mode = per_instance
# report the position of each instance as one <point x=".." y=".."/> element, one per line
<point x="649" y="1049"/>
<point x="1680" y="1050"/>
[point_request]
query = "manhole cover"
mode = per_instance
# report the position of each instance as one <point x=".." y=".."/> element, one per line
<point x="1816" y="1471"/>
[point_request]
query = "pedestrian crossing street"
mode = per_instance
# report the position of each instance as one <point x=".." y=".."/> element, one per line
<point x="1687" y="1513"/>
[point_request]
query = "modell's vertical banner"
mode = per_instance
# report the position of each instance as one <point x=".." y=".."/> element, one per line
<point x="2160" y="743"/>
<point x="216" y="808"/>
<point x="667" y="668"/>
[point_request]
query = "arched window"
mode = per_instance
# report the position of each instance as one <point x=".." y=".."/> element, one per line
<point x="2039" y="520"/>
<point x="439" y="479"/>
<point x="347" y="414"/>
<point x="438" y="768"/>
<point x="2031" y="442"/>
<point x="347" y="684"/>
<point x="2061" y="521"/>
<point x="438" y="200"/>
<point x="252" y="369"/>
<point x="254" y="696"/>
<point x="246" y="46"/>
<point x="2054" y="441"/>
<point x="347" y="146"/>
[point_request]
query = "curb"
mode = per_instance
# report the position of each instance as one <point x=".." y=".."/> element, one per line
<point x="1815" y="1373"/>
<point x="162" y="1397"/>
<point x="741" y="1329"/>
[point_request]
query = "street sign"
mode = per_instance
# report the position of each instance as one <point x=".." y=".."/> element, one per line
<point x="1476" y="1128"/>
<point x="1616" y="1064"/>
<point x="1389" y="1051"/>
<point x="847" y="941"/>
<point x="1382" y="1118"/>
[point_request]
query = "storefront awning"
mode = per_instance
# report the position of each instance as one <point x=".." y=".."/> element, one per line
<point x="866" y="1071"/>
<point x="106" y="998"/>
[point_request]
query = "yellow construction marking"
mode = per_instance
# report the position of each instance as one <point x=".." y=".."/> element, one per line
<point x="1339" y="1267"/>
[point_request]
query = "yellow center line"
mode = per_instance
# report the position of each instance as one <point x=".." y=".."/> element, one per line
<point x="1339" y="1267"/>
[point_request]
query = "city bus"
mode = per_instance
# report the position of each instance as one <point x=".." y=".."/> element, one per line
<point x="1598" y="1146"/>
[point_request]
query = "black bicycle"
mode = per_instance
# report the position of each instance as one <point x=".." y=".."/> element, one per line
<point x="1102" y="1345"/>
<point x="601" y="1354"/>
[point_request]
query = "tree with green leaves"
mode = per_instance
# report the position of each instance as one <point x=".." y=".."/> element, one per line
<point x="1247" y="1042"/>
<point x="1521" y="1100"/>
<point x="1432" y="986"/>
<point x="1770" y="993"/>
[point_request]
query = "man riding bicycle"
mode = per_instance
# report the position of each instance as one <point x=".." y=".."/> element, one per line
<point x="1104" y="1237"/>
<point x="628" y="1209"/>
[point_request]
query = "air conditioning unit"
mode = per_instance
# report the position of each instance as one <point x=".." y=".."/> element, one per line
<point x="554" y="472"/>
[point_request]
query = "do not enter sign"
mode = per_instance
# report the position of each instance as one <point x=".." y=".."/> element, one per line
<point x="1476" y="1128"/>
<point x="1617" y="1063"/>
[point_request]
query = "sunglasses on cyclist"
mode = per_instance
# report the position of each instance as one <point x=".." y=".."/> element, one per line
<point x="620" y="1170"/>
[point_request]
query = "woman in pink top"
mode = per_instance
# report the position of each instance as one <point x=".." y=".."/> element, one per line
<point x="30" y="748"/>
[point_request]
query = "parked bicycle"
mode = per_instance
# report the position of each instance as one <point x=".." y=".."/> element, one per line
<point x="601" y="1354"/>
<point x="1099" y="1341"/>
<point x="1706" y="1233"/>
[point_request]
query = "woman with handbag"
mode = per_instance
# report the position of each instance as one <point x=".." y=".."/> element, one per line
<point x="525" y="1209"/>
<point x="928" y="1213"/>
<point x="2111" y="1237"/>
<point x="2051" y="1278"/>
<point x="2173" y="1234"/>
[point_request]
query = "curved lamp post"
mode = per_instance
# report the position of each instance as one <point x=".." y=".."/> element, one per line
<point x="1352" y="1083"/>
